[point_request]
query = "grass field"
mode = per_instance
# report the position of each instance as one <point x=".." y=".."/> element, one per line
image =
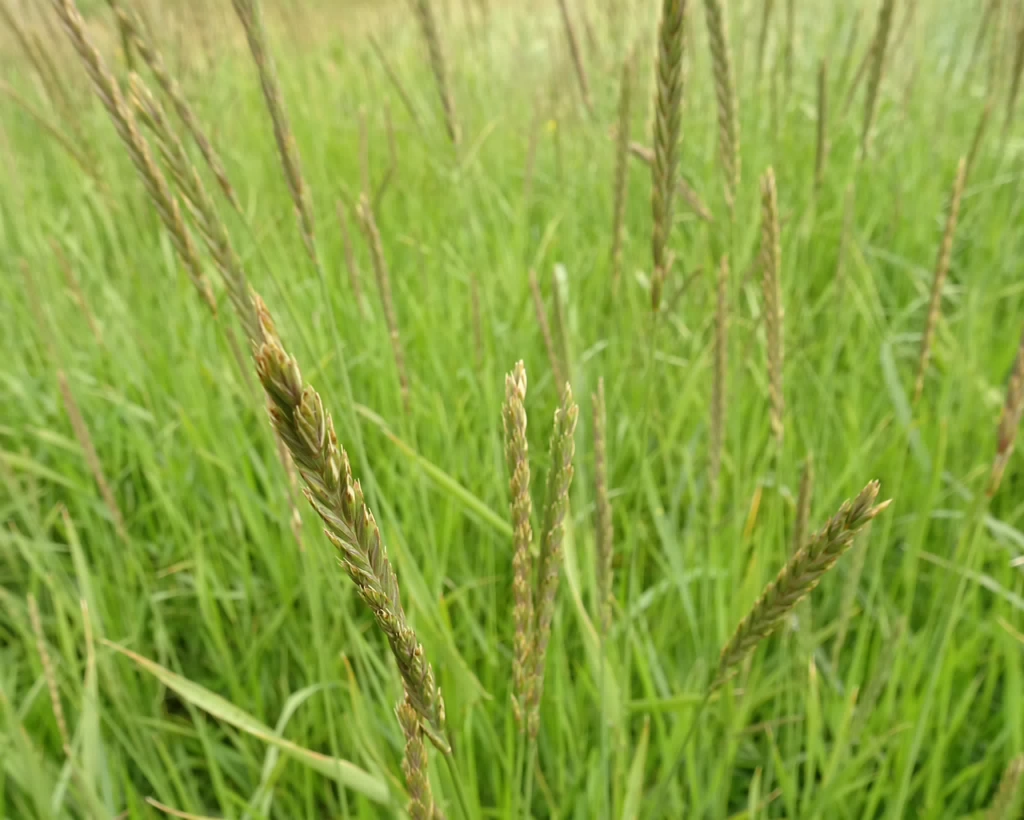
<point x="173" y="642"/>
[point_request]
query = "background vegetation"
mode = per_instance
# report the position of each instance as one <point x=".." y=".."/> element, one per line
<point x="146" y="508"/>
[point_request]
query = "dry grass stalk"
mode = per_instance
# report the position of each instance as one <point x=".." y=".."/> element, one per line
<point x="603" y="508"/>
<point x="297" y="414"/>
<point x="393" y="77"/>
<point x="350" y="257"/>
<point x="533" y="137"/>
<point x="1009" y="420"/>
<point x="979" y="39"/>
<point x="767" y="6"/>
<point x="132" y="26"/>
<point x="771" y="270"/>
<point x="91" y="458"/>
<point x="380" y="268"/>
<point x="1016" y="74"/>
<point x="877" y="63"/>
<point x="790" y="47"/>
<point x="689" y="195"/>
<point x="559" y="288"/>
<point x="821" y="151"/>
<point x="389" y="173"/>
<point x="76" y="289"/>
<point x="939" y="280"/>
<point x="576" y="53"/>
<point x="475" y="317"/>
<point x="1007" y="793"/>
<point x="109" y="92"/>
<point x="979" y="135"/>
<point x="847" y="58"/>
<point x="517" y="458"/>
<point x="621" y="168"/>
<point x="725" y="95"/>
<point x="428" y="27"/>
<point x="251" y="17"/>
<point x="552" y="533"/>
<point x="49" y="674"/>
<point x="798" y="578"/>
<point x="667" y="114"/>
<point x="545" y="329"/>
<point x="719" y="387"/>
<point x="414" y="763"/>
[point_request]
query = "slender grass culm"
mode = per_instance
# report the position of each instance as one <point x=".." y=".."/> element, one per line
<point x="939" y="279"/>
<point x="771" y="290"/>
<point x="875" y="68"/>
<point x="603" y="527"/>
<point x="576" y="53"/>
<point x="621" y="168"/>
<point x="668" y="103"/>
<point x="821" y="144"/>
<point x="719" y="388"/>
<point x="1009" y="420"/>
<point x="438" y="65"/>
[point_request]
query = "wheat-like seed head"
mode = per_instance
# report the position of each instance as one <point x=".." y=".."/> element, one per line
<point x="877" y="64"/>
<point x="577" y="55"/>
<point x="251" y="18"/>
<point x="939" y="280"/>
<point x="428" y="26"/>
<point x="725" y="95"/>
<point x="719" y="376"/>
<point x="307" y="430"/>
<point x="771" y="265"/>
<point x="556" y="507"/>
<point x="109" y="92"/>
<point x="517" y="458"/>
<point x="798" y="578"/>
<point x="667" y="116"/>
<point x="1009" y="420"/>
<point x="131" y="24"/>
<point x="621" y="168"/>
<point x="685" y="190"/>
<point x="414" y="763"/>
<point x="603" y="524"/>
<point x="48" y="673"/>
<point x="380" y="268"/>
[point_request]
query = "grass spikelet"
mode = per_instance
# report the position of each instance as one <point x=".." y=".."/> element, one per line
<point x="428" y="27"/>
<point x="92" y="459"/>
<point x="1016" y="74"/>
<point x="1009" y="420"/>
<point x="49" y="674"/>
<point x="771" y="287"/>
<point x="939" y="280"/>
<point x="621" y="168"/>
<point x="667" y="113"/>
<point x="603" y="511"/>
<point x="1008" y="792"/>
<point x="109" y="92"/>
<point x="414" y="763"/>
<point x="725" y="95"/>
<point x="798" y="578"/>
<point x="877" y="64"/>
<point x="380" y="268"/>
<point x="718" y="385"/>
<point x="251" y="18"/>
<point x="686" y="191"/>
<point x="821" y="147"/>
<point x="517" y="458"/>
<point x="132" y="26"/>
<point x="552" y="533"/>
<point x="545" y="329"/>
<point x="576" y="53"/>
<point x="299" y="418"/>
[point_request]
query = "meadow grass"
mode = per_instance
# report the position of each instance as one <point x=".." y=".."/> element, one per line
<point x="169" y="642"/>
